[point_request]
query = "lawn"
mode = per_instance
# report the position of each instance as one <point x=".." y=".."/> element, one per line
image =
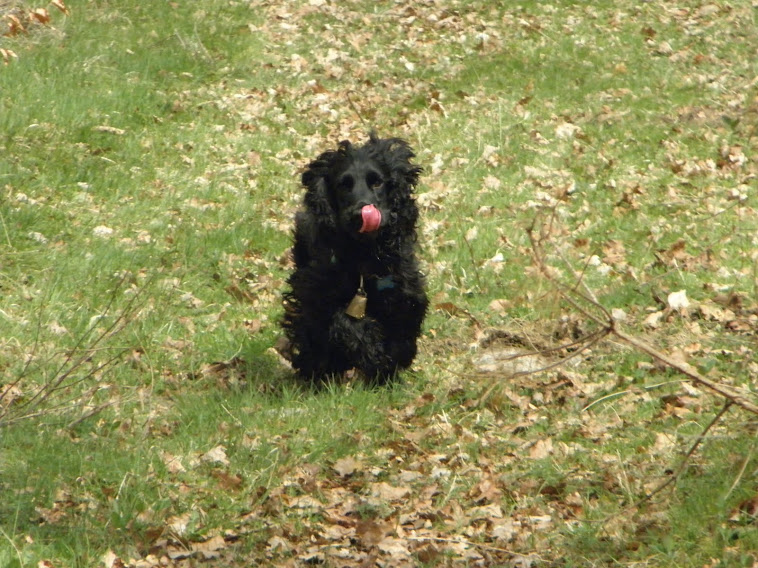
<point x="590" y="175"/>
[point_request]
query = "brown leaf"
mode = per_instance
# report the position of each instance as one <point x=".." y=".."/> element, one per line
<point x="110" y="560"/>
<point x="61" y="6"/>
<point x="15" y="26"/>
<point x="7" y="54"/>
<point x="664" y="443"/>
<point x="41" y="15"/>
<point x="173" y="463"/>
<point x="239" y="294"/>
<point x="370" y="532"/>
<point x="397" y="548"/>
<point x="614" y="252"/>
<point x="486" y="512"/>
<point x="450" y="308"/>
<point x="178" y="523"/>
<point x="209" y="549"/>
<point x="216" y="455"/>
<point x="253" y="326"/>
<point x="499" y="306"/>
<point x="227" y="480"/>
<point x="388" y="492"/>
<point x="345" y="467"/>
<point x="486" y="491"/>
<point x="436" y="106"/>
<point x="541" y="449"/>
<point x="305" y="503"/>
<point x="746" y="511"/>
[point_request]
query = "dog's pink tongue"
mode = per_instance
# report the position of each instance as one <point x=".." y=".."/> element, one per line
<point x="372" y="218"/>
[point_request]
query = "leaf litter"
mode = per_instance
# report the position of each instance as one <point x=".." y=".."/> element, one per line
<point x="454" y="485"/>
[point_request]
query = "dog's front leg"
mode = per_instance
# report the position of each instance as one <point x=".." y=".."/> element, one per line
<point x="361" y="341"/>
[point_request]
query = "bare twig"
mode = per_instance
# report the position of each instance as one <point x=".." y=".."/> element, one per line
<point x="464" y="542"/>
<point x="584" y="344"/>
<point x="74" y="362"/>
<point x="89" y="414"/>
<point x="473" y="262"/>
<point x="686" y="458"/>
<point x="356" y="111"/>
<point x="746" y="461"/>
<point x="625" y="392"/>
<point x="579" y="300"/>
<point x="686" y="369"/>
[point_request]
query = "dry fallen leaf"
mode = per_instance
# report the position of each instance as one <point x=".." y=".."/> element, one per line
<point x="216" y="455"/>
<point x="173" y="463"/>
<point x="227" y="481"/>
<point x="61" y="6"/>
<point x="346" y="466"/>
<point x="388" y="492"/>
<point x="653" y="321"/>
<point x="678" y="300"/>
<point x="541" y="449"/>
<point x="664" y="443"/>
<point x="14" y="25"/>
<point x="499" y="306"/>
<point x="41" y="15"/>
<point x="178" y="523"/>
<point x="7" y="54"/>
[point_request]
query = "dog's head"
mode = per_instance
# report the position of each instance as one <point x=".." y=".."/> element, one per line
<point x="364" y="191"/>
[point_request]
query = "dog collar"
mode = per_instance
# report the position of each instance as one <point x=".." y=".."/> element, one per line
<point x="385" y="283"/>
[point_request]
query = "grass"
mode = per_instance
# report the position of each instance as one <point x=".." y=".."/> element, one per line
<point x="148" y="176"/>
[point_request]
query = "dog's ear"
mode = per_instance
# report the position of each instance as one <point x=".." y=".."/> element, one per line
<point x="398" y="155"/>
<point x="317" y="199"/>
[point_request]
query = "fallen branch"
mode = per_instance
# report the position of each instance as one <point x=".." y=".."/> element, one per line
<point x="578" y="300"/>
<point x="687" y="456"/>
<point x="582" y="345"/>
<point x="685" y="369"/>
<point x="472" y="544"/>
<point x="78" y="364"/>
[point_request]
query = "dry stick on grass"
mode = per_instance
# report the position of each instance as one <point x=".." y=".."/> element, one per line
<point x="745" y="462"/>
<point x="573" y="296"/>
<point x="73" y="362"/>
<point x="686" y="458"/>
<point x="471" y="543"/>
<point x="584" y="343"/>
<point x="672" y="479"/>
<point x="473" y="262"/>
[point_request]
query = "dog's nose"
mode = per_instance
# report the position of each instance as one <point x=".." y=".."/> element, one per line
<point x="364" y="194"/>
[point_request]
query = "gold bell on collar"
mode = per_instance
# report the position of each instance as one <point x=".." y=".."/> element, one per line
<point x="357" y="306"/>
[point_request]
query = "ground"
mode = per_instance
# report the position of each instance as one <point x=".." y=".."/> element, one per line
<point x="589" y="233"/>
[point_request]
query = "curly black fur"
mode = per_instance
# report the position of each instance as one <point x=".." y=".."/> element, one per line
<point x="332" y="258"/>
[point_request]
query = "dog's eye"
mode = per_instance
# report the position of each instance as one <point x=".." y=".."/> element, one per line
<point x="346" y="183"/>
<point x="374" y="181"/>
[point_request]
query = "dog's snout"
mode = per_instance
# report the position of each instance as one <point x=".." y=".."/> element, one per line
<point x="365" y="195"/>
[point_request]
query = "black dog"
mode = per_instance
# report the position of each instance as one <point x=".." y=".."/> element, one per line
<point x="357" y="298"/>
